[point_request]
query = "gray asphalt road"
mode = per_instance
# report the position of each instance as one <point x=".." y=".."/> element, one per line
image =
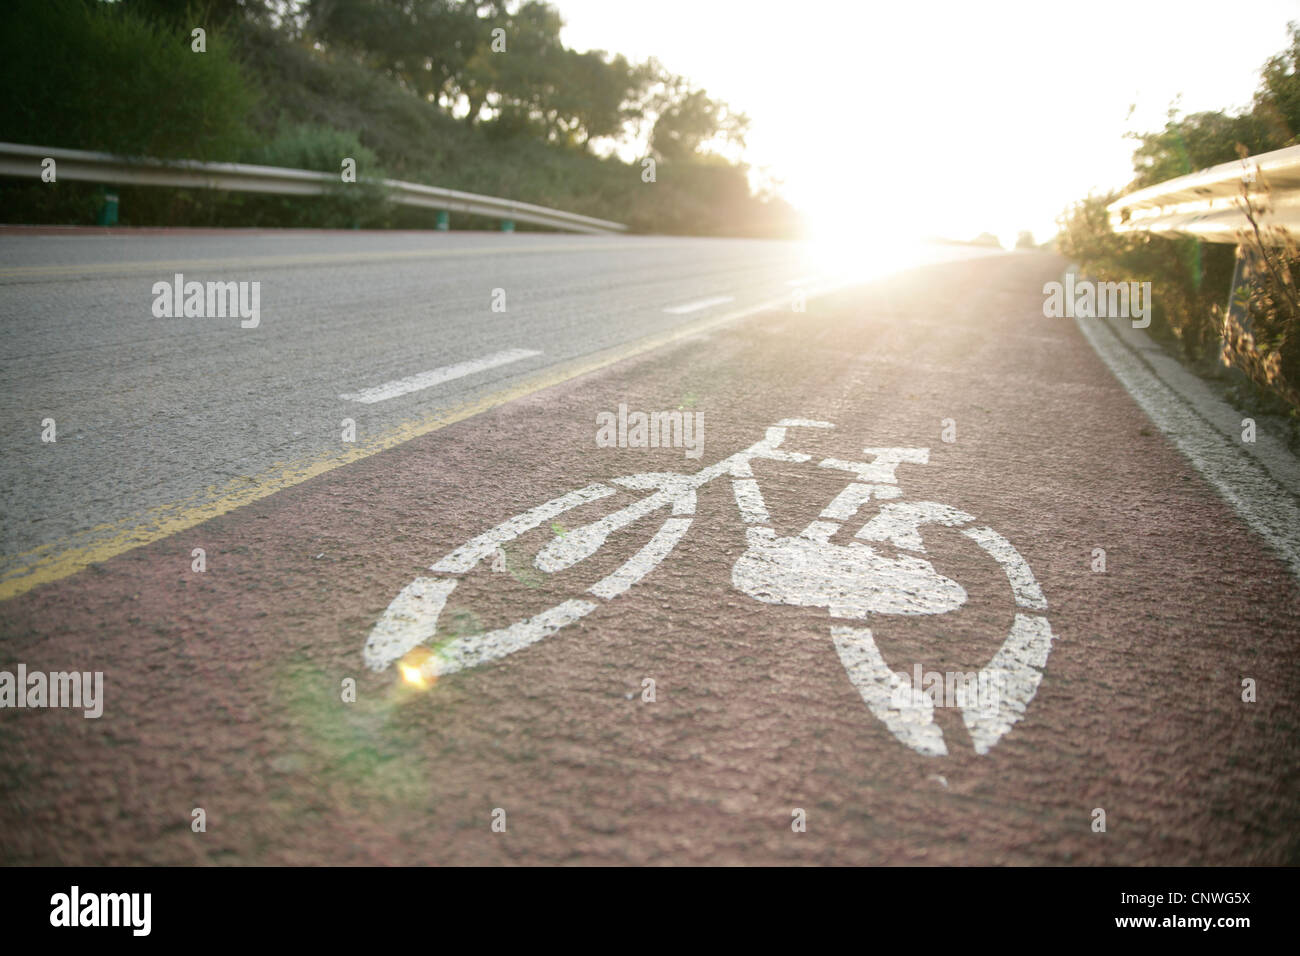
<point x="168" y="413"/>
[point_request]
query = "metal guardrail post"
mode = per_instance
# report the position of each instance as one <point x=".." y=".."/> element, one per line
<point x="1238" y="299"/>
<point x="106" y="213"/>
<point x="1234" y="310"/>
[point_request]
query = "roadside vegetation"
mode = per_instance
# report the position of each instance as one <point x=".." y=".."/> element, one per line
<point x="470" y="95"/>
<point x="1190" y="280"/>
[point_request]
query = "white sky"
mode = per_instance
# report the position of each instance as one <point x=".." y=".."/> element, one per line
<point x="944" y="117"/>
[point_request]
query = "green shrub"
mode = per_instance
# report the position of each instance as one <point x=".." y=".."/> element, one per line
<point x="1187" y="278"/>
<point x="320" y="149"/>
<point x="1266" y="346"/>
<point x="90" y="75"/>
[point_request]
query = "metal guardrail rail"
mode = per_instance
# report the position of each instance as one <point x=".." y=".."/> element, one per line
<point x="75" y="164"/>
<point x="1208" y="205"/>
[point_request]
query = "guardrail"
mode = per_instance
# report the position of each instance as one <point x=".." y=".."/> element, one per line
<point x="1208" y="205"/>
<point x="75" y="164"/>
<point x="1211" y="205"/>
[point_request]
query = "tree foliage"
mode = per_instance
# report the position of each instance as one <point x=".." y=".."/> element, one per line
<point x="1195" y="141"/>
<point x="478" y="95"/>
<point x="503" y="63"/>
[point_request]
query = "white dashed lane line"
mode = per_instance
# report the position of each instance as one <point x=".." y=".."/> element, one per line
<point x="700" y="304"/>
<point x="437" y="376"/>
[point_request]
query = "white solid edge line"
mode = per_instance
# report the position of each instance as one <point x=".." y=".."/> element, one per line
<point x="700" y="304"/>
<point x="437" y="376"/>
<point x="1266" y="507"/>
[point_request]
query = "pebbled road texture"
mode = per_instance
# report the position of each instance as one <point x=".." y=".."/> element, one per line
<point x="223" y="688"/>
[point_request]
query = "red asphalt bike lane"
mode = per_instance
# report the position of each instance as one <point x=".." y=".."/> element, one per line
<point x="223" y="689"/>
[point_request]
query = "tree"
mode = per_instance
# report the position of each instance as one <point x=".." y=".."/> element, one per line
<point x="1278" y="100"/>
<point x="1195" y="142"/>
<point x="528" y="77"/>
<point x="687" y="118"/>
<point x="600" y="94"/>
<point x="426" y="44"/>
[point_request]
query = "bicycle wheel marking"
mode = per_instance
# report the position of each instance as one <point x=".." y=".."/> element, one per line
<point x="912" y="721"/>
<point x="644" y="561"/>
<point x="471" y="553"/>
<point x="1023" y="586"/>
<point x="479" y="649"/>
<point x="411" y="620"/>
<point x="853" y="581"/>
<point x="1019" y="663"/>
<point x="412" y="617"/>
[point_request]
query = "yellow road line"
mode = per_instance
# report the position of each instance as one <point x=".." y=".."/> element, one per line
<point x="59" y="559"/>
<point x="303" y="259"/>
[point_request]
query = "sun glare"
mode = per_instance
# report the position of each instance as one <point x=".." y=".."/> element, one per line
<point x="417" y="668"/>
<point x="844" y="248"/>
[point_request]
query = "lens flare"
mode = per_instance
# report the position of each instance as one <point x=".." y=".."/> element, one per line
<point x="417" y="668"/>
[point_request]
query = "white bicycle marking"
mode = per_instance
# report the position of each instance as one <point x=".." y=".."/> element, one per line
<point x="853" y="581"/>
<point x="753" y="509"/>
<point x="567" y="550"/>
<point x="1023" y="586"/>
<point x="899" y="524"/>
<point x="881" y="469"/>
<point x="853" y="497"/>
<point x="802" y="423"/>
<point x="411" y="620"/>
<point x="644" y="561"/>
<point x="913" y="721"/>
<point x="480" y="648"/>
<point x="467" y="555"/>
<point x="1019" y="663"/>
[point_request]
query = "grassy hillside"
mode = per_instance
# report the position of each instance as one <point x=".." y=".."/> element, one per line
<point x="111" y="79"/>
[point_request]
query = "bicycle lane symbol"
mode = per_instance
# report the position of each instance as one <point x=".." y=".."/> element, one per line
<point x="854" y="582"/>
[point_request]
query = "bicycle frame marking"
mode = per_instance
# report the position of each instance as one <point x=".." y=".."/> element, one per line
<point x="853" y="581"/>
